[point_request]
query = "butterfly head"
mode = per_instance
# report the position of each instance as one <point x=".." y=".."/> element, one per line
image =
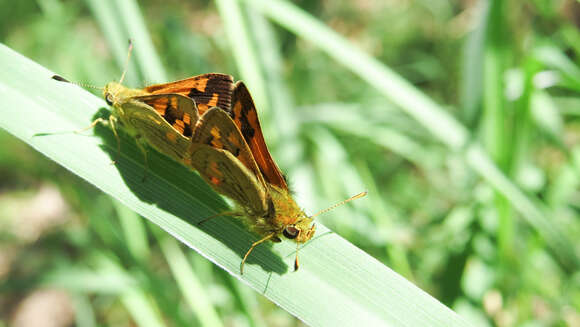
<point x="300" y="232"/>
<point x="117" y="94"/>
<point x="111" y="92"/>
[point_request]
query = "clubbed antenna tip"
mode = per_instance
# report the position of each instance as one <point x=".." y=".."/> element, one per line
<point x="60" y="78"/>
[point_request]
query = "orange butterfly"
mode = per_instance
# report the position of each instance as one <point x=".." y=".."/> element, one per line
<point x="163" y="115"/>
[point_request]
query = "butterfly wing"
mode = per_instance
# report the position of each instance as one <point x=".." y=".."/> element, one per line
<point x="207" y="90"/>
<point x="217" y="130"/>
<point x="178" y="110"/>
<point x="245" y="116"/>
<point x="228" y="176"/>
<point x="147" y="123"/>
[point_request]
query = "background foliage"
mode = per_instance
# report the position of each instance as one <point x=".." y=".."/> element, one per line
<point x="508" y="71"/>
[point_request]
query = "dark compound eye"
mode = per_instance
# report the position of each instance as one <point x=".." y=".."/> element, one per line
<point x="291" y="232"/>
<point x="109" y="99"/>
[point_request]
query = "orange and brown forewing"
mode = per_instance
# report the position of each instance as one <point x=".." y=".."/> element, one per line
<point x="245" y="116"/>
<point x="179" y="111"/>
<point x="207" y="90"/>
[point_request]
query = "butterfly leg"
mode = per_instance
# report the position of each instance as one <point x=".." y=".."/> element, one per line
<point x="91" y="126"/>
<point x="113" y="122"/>
<point x="141" y="146"/>
<point x="269" y="236"/>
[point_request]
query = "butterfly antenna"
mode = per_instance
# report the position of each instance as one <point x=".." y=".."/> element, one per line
<point x="354" y="197"/>
<point x="126" y="61"/>
<point x="62" y="79"/>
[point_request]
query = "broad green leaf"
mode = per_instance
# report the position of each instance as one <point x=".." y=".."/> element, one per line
<point x="337" y="282"/>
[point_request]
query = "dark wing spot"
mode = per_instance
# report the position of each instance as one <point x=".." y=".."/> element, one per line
<point x="194" y="93"/>
<point x="247" y="105"/>
<point x="232" y="113"/>
<point x="247" y="130"/>
<point x="188" y="131"/>
<point x="170" y="113"/>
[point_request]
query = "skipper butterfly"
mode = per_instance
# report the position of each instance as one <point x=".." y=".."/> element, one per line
<point x="163" y="115"/>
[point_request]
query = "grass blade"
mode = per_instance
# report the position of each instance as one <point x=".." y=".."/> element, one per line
<point x="337" y="283"/>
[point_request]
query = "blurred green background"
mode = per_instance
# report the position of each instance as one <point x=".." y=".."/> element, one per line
<point x="508" y="71"/>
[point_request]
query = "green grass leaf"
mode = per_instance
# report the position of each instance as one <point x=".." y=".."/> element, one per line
<point x="336" y="284"/>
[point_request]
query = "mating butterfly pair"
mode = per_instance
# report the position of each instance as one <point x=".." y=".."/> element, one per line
<point x="211" y="125"/>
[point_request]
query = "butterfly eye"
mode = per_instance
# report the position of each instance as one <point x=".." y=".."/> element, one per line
<point x="291" y="232"/>
<point x="109" y="99"/>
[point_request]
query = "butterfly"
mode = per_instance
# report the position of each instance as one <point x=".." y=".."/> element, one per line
<point x="229" y="152"/>
<point x="163" y="115"/>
